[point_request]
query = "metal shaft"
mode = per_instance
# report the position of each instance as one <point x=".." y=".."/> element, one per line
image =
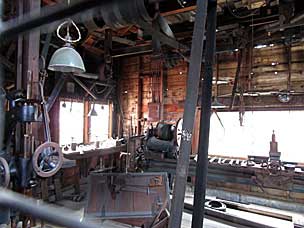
<point x="47" y="15"/>
<point x="189" y="114"/>
<point x="202" y="164"/>
<point x="53" y="215"/>
<point x="45" y="114"/>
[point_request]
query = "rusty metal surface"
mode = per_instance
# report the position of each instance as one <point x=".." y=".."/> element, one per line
<point x="131" y="198"/>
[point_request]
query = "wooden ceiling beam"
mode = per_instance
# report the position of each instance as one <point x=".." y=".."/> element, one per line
<point x="178" y="11"/>
<point x="49" y="2"/>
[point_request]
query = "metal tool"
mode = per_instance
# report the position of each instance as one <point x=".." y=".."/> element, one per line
<point x="48" y="157"/>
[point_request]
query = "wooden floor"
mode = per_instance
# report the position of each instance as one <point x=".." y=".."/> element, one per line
<point x="269" y="221"/>
<point x="187" y="218"/>
<point x="186" y="222"/>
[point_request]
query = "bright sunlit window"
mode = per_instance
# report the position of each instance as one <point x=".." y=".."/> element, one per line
<point x="99" y="129"/>
<point x="71" y="122"/>
<point x="253" y="138"/>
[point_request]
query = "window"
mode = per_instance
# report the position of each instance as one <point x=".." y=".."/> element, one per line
<point x="71" y="122"/>
<point x="99" y="129"/>
<point x="254" y="137"/>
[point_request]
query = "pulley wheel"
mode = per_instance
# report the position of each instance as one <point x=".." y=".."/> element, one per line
<point x="178" y="131"/>
<point x="4" y="173"/>
<point x="164" y="131"/>
<point x="147" y="11"/>
<point x="47" y="159"/>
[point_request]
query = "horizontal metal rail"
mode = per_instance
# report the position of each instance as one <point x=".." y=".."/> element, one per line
<point x="226" y="218"/>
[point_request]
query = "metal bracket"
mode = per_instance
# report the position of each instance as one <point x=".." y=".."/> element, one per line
<point x="186" y="135"/>
<point x="84" y="87"/>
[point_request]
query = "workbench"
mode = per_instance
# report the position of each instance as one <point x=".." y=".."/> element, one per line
<point x="91" y="158"/>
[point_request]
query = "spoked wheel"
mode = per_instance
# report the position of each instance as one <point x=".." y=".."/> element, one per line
<point x="47" y="159"/>
<point x="4" y="173"/>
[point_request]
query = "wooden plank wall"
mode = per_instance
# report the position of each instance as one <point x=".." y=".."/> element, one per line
<point x="139" y="68"/>
<point x="264" y="69"/>
<point x="129" y="92"/>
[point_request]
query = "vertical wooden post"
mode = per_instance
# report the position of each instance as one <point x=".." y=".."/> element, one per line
<point x="108" y="54"/>
<point x="202" y="163"/>
<point x="86" y="125"/>
<point x="54" y="121"/>
<point x="30" y="62"/>
<point x="31" y="53"/>
<point x="139" y="96"/>
<point x="193" y="81"/>
<point x="110" y="120"/>
<point x="19" y="50"/>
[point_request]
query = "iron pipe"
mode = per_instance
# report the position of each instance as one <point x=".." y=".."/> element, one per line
<point x="40" y="210"/>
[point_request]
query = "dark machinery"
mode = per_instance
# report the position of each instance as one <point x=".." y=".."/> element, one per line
<point x="260" y="175"/>
<point x="48" y="158"/>
<point x="45" y="160"/>
<point x="21" y="113"/>
<point x="21" y="159"/>
<point x="15" y="166"/>
<point x="161" y="140"/>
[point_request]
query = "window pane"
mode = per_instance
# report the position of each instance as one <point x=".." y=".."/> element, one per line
<point x="100" y="124"/>
<point x="71" y="122"/>
<point x="254" y="137"/>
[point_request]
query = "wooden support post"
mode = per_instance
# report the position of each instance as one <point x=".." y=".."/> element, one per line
<point x="139" y="102"/>
<point x="30" y="62"/>
<point x="44" y="190"/>
<point x="111" y="114"/>
<point x="202" y="164"/>
<point x="189" y="113"/>
<point x="58" y="188"/>
<point x="31" y="53"/>
<point x="86" y="127"/>
<point x="289" y="58"/>
<point x="28" y="79"/>
<point x="108" y="54"/>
